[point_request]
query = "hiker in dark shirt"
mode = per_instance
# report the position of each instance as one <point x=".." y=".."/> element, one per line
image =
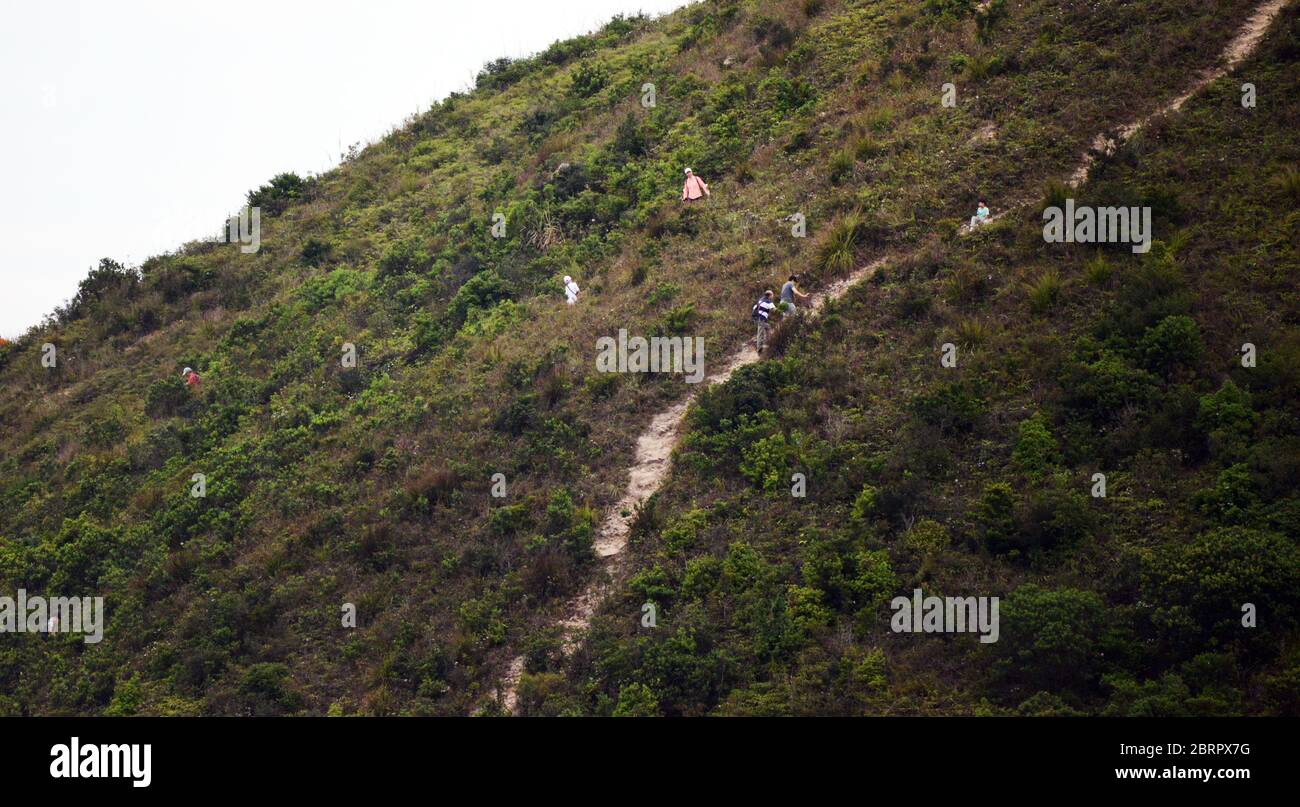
<point x="788" y="294"/>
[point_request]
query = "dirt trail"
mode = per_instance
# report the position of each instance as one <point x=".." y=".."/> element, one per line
<point x="654" y="446"/>
<point x="1107" y="143"/>
<point x="1241" y="46"/>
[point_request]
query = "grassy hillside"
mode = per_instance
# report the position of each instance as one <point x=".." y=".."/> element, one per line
<point x="978" y="479"/>
<point x="370" y="485"/>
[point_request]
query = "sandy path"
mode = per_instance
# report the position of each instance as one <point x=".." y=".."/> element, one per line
<point x="1241" y="46"/>
<point x="654" y="446"/>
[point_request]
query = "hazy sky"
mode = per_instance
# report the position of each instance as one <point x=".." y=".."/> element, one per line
<point x="131" y="127"/>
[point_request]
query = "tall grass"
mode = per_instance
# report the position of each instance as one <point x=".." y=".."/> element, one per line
<point x="840" y="166"/>
<point x="836" y="254"/>
<point x="1288" y="183"/>
<point x="1055" y="194"/>
<point x="1044" y="292"/>
<point x="1098" y="271"/>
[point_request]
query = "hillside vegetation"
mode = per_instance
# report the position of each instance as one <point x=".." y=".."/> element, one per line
<point x="370" y="485"/>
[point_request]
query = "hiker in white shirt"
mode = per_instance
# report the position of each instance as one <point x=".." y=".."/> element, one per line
<point x="571" y="290"/>
<point x="761" y="311"/>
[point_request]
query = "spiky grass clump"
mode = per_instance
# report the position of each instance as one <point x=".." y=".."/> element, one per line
<point x="1288" y="183"/>
<point x="1098" y="270"/>
<point x="1055" y="194"/>
<point x="971" y="333"/>
<point x="837" y="252"/>
<point x="1044" y="292"/>
<point x="840" y="166"/>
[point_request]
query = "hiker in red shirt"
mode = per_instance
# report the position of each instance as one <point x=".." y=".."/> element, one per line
<point x="694" y="187"/>
<point x="191" y="378"/>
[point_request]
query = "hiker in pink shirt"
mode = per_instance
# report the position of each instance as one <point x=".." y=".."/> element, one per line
<point x="694" y="187"/>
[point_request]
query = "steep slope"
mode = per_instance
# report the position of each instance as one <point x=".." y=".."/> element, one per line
<point x="371" y="485"/>
<point x="1129" y="603"/>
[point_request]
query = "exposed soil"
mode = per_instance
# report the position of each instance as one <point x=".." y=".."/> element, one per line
<point x="654" y="446"/>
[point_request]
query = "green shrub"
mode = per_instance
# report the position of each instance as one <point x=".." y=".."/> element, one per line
<point x="427" y="332"/>
<point x="573" y="526"/>
<point x="402" y="257"/>
<point x="1172" y="343"/>
<point x="682" y="533"/>
<point x="1052" y="517"/>
<point x="1198" y="588"/>
<point x="315" y="252"/>
<point x="1228" y="419"/>
<point x="652" y="585"/>
<point x="1036" y="449"/>
<point x="166" y="397"/>
<point x="766" y="462"/>
<point x="1100" y="387"/>
<point x="483" y="290"/>
<point x="1050" y="640"/>
<point x="510" y="519"/>
<point x="1232" y="497"/>
<point x="927" y="537"/>
<point x="636" y="700"/>
<point x="588" y="79"/>
<point x="865" y="505"/>
<point x="283" y="190"/>
<point x="266" y="691"/>
<point x="333" y="287"/>
<point x="954" y="408"/>
<point x="995" y="515"/>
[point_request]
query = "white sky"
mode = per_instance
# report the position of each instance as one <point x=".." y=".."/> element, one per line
<point x="131" y="127"/>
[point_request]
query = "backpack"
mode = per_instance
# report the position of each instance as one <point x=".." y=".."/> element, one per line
<point x="753" y="312"/>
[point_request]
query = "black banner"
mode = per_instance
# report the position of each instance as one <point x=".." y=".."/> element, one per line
<point x="217" y="756"/>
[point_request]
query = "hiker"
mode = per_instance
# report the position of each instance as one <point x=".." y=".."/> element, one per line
<point x="788" y="292"/>
<point x="571" y="290"/>
<point x="761" y="311"/>
<point x="981" y="214"/>
<point x="191" y="378"/>
<point x="694" y="187"/>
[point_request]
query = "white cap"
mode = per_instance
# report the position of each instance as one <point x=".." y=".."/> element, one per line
<point x="688" y="170"/>
<point x="568" y="279"/>
<point x="186" y="371"/>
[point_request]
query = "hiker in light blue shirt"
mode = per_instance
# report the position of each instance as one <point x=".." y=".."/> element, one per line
<point x="981" y="215"/>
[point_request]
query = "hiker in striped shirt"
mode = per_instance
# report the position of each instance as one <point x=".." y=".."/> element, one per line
<point x="761" y="311"/>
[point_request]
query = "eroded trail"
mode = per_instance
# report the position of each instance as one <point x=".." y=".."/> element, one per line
<point x="654" y="446"/>
<point x="1241" y="46"/>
